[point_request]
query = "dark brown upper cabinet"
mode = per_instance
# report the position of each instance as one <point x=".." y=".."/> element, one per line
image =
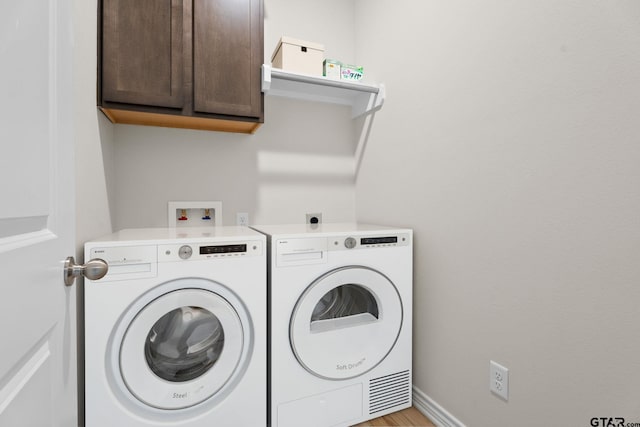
<point x="182" y="63"/>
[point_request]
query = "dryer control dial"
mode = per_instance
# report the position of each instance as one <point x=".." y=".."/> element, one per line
<point x="185" y="252"/>
<point x="350" y="243"/>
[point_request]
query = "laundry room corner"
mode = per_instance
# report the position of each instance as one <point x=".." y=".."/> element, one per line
<point x="507" y="149"/>
<point x="509" y="144"/>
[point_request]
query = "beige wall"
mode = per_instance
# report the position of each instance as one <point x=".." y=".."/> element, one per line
<point x="510" y="143"/>
<point x="291" y="166"/>
<point x="299" y="160"/>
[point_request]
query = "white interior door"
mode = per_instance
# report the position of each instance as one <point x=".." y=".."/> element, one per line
<point x="37" y="312"/>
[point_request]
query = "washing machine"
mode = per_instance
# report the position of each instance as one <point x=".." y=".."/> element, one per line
<point x="175" y="333"/>
<point x="340" y="309"/>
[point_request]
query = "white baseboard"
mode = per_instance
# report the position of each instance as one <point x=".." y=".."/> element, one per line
<point x="436" y="413"/>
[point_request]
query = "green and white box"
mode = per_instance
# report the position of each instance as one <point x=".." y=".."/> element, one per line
<point x="351" y="72"/>
<point x="331" y="69"/>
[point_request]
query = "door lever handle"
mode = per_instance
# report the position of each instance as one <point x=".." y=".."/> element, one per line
<point x="93" y="270"/>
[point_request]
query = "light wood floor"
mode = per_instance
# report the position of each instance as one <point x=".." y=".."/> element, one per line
<point x="410" y="417"/>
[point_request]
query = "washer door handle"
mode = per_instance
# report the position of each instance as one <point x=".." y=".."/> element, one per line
<point x="93" y="270"/>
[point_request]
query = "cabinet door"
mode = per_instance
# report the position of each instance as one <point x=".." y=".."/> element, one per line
<point x="227" y="55"/>
<point x="142" y="57"/>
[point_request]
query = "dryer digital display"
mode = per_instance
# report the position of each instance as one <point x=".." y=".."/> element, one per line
<point x="378" y="240"/>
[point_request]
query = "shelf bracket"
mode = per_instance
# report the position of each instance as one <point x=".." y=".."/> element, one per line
<point x="266" y="78"/>
<point x="368" y="103"/>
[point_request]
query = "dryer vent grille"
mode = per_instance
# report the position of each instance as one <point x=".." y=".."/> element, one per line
<point x="389" y="391"/>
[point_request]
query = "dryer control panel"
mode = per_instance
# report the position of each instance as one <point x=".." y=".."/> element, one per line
<point x="305" y="251"/>
<point x="313" y="250"/>
<point x="369" y="241"/>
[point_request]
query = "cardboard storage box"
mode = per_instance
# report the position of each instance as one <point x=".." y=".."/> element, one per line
<point x="298" y="56"/>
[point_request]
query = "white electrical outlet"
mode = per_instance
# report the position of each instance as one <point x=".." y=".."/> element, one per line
<point x="499" y="380"/>
<point x="242" y="218"/>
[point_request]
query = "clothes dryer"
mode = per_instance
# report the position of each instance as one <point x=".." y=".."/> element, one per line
<point x="340" y="323"/>
<point x="175" y="333"/>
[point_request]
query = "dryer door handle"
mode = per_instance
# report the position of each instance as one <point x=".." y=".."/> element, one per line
<point x="93" y="270"/>
<point x="341" y="322"/>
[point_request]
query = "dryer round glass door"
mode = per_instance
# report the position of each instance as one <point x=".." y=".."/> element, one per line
<point x="181" y="348"/>
<point x="346" y="322"/>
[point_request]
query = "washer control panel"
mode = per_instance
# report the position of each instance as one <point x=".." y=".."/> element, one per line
<point x="126" y="262"/>
<point x="200" y="251"/>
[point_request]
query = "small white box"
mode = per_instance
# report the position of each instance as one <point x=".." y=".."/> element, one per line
<point x="299" y="56"/>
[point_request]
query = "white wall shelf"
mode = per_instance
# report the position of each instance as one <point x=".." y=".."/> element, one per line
<point x="363" y="98"/>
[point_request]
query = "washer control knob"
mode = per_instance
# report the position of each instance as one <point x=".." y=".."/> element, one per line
<point x="185" y="252"/>
<point x="350" y="243"/>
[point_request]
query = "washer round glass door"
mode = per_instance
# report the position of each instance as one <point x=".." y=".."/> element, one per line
<point x="346" y="322"/>
<point x="181" y="348"/>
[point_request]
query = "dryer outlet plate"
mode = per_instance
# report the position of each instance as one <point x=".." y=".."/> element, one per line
<point x="314" y="218"/>
<point x="194" y="214"/>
